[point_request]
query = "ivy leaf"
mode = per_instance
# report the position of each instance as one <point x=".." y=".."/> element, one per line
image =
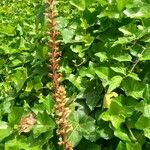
<point x="122" y="134"/>
<point x="74" y="137"/>
<point x="44" y="124"/>
<point x="103" y="73"/>
<point x="38" y="129"/>
<point x="67" y="35"/>
<point x="147" y="94"/>
<point x="5" y="130"/>
<point x="81" y="4"/>
<point x="121" y="4"/>
<point x="121" y="146"/>
<point x="121" y="40"/>
<point x="138" y="12"/>
<point x="102" y="56"/>
<point x="88" y="39"/>
<point x="84" y="144"/>
<point x="115" y="114"/>
<point x="114" y="83"/>
<point x="44" y="119"/>
<point x="21" y="143"/>
<point x="82" y="127"/>
<point x="143" y="122"/>
<point x="7" y="29"/>
<point x="119" y="69"/>
<point x="37" y="83"/>
<point x="75" y="80"/>
<point x="15" y="115"/>
<point x="62" y="22"/>
<point x="147" y="132"/>
<point x="133" y="88"/>
<point x="133" y="76"/>
<point x="104" y="131"/>
<point x="19" y="78"/>
<point x="92" y="94"/>
<point x="145" y="55"/>
<point x="121" y="56"/>
<point x="48" y="102"/>
<point x="108" y="99"/>
<point x="146" y="112"/>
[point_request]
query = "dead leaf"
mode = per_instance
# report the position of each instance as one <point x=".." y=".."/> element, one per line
<point x="108" y="99"/>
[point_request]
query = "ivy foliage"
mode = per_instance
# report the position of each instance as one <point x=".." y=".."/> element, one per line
<point x="105" y="63"/>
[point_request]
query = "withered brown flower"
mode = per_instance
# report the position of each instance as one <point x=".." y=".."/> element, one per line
<point x="26" y="123"/>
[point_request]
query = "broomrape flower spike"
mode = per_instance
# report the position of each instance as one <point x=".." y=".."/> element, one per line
<point x="59" y="92"/>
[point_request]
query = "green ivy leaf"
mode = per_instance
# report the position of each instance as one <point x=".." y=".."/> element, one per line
<point x="102" y="56"/>
<point x="121" y="56"/>
<point x="133" y="88"/>
<point x="88" y="39"/>
<point x="121" y="146"/>
<point x="7" y="30"/>
<point x="44" y="124"/>
<point x="114" y="83"/>
<point x="75" y="80"/>
<point x="138" y="12"/>
<point x="104" y="131"/>
<point x="38" y="129"/>
<point x="47" y="102"/>
<point x="147" y="132"/>
<point x="15" y="115"/>
<point x="103" y="74"/>
<point x="44" y="119"/>
<point x="37" y="83"/>
<point x="81" y="4"/>
<point x="92" y="94"/>
<point x="19" y="78"/>
<point x="62" y="22"/>
<point x="5" y="130"/>
<point x="115" y="114"/>
<point x="84" y="144"/>
<point x="143" y="122"/>
<point x="119" y="69"/>
<point x="134" y="76"/>
<point x="129" y="146"/>
<point x="74" y="137"/>
<point x="17" y="144"/>
<point x="121" y="4"/>
<point x="146" y="112"/>
<point x="147" y="94"/>
<point x="82" y="126"/>
<point x="122" y="134"/>
<point x="67" y="35"/>
<point x="145" y="55"/>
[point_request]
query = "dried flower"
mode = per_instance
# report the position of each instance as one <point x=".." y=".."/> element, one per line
<point x="26" y="123"/>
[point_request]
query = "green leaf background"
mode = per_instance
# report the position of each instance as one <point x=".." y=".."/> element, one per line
<point x="105" y="48"/>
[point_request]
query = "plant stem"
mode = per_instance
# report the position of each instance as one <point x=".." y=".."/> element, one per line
<point x="59" y="92"/>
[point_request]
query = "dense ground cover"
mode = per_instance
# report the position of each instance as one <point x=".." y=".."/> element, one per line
<point x="105" y="66"/>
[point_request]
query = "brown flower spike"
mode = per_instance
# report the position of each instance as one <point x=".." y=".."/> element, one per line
<point x="59" y="92"/>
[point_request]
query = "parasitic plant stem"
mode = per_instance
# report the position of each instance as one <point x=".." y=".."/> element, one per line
<point x="59" y="92"/>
